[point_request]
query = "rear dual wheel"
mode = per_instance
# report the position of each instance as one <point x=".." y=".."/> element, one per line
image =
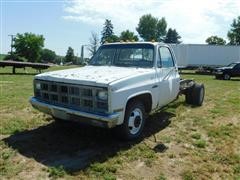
<point x="195" y="95"/>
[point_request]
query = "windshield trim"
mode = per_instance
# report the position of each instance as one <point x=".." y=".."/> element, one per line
<point x="117" y="48"/>
<point x="232" y="65"/>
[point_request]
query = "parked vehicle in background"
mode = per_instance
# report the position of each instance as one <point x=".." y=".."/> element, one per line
<point x="121" y="85"/>
<point x="232" y="70"/>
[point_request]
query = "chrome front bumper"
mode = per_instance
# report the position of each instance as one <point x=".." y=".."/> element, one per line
<point x="218" y="72"/>
<point x="108" y="121"/>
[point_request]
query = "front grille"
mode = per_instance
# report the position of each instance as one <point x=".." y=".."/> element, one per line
<point x="78" y="97"/>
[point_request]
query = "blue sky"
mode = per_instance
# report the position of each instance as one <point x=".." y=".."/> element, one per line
<point x="70" y="23"/>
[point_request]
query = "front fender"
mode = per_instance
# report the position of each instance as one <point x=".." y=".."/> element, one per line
<point x="138" y="94"/>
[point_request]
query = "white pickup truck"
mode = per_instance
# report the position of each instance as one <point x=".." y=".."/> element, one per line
<point x="122" y="83"/>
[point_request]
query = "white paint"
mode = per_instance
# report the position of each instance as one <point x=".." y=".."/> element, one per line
<point x="91" y="75"/>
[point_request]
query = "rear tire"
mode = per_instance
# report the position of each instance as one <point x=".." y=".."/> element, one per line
<point x="134" y="121"/>
<point x="188" y="96"/>
<point x="195" y="95"/>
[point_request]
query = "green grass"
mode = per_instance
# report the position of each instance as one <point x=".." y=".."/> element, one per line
<point x="199" y="141"/>
<point x="196" y="136"/>
<point x="106" y="171"/>
<point x="161" y="177"/>
<point x="236" y="169"/>
<point x="56" y="172"/>
<point x="15" y="91"/>
<point x="187" y="175"/>
<point x="7" y="168"/>
<point x="2" y="56"/>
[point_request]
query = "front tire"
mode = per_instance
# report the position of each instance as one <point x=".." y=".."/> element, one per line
<point x="134" y="121"/>
<point x="226" y="76"/>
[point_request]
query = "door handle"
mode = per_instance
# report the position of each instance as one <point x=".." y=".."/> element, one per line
<point x="155" y="86"/>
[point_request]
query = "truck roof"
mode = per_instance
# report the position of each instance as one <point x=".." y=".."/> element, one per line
<point x="148" y="42"/>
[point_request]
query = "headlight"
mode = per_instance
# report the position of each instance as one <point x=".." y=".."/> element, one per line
<point x="102" y="95"/>
<point x="219" y="71"/>
<point x="38" y="86"/>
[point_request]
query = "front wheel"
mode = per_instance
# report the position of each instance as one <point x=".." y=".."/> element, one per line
<point x="134" y="121"/>
<point x="226" y="76"/>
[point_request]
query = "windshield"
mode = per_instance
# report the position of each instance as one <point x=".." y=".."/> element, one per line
<point x="131" y="55"/>
<point x="232" y="64"/>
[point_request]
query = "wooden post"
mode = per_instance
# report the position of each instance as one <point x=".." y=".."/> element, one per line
<point x="13" y="70"/>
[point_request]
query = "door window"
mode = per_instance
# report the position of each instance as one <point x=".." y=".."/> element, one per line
<point x="237" y="66"/>
<point x="166" y="57"/>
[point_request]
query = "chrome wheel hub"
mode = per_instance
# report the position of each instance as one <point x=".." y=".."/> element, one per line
<point x="135" y="121"/>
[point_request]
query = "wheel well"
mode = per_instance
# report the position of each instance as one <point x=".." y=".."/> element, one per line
<point x="146" y="99"/>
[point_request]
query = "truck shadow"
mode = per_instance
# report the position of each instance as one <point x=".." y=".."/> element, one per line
<point x="74" y="146"/>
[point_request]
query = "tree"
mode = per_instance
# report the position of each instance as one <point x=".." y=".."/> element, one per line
<point x="112" y="38"/>
<point x="172" y="36"/>
<point x="70" y="55"/>
<point x="14" y="57"/>
<point x="151" y="28"/>
<point x="93" y="43"/>
<point x="128" y="35"/>
<point x="234" y="33"/>
<point x="29" y="46"/>
<point x="48" y="55"/>
<point x="107" y="31"/>
<point x="59" y="59"/>
<point x="215" y="40"/>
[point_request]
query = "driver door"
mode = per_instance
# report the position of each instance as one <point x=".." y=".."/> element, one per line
<point x="236" y="70"/>
<point x="168" y="77"/>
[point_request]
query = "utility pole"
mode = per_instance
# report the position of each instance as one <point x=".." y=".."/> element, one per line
<point x="82" y="53"/>
<point x="12" y="36"/>
<point x="77" y="61"/>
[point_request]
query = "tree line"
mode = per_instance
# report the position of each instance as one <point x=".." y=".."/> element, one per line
<point x="233" y="35"/>
<point x="30" y="47"/>
<point x="153" y="29"/>
<point x="149" y="29"/>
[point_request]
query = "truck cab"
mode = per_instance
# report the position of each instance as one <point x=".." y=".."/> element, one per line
<point x="122" y="83"/>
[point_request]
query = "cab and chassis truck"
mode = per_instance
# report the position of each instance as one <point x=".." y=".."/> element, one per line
<point x="120" y="86"/>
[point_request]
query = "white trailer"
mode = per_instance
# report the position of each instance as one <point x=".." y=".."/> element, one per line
<point x="206" y="56"/>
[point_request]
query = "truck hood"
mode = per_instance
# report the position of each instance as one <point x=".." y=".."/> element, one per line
<point x="223" y="68"/>
<point x="91" y="75"/>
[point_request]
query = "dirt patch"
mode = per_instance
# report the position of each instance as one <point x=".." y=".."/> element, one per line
<point x="139" y="170"/>
<point x="234" y="120"/>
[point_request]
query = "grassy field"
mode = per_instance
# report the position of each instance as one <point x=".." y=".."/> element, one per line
<point x="2" y="56"/>
<point x="179" y="142"/>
